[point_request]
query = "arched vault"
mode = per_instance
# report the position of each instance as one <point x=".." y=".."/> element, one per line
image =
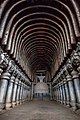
<point x="39" y="34"/>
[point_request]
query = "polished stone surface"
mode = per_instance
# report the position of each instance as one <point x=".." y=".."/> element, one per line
<point x="40" y="110"/>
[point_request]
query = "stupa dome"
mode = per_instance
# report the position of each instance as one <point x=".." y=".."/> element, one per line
<point x="41" y="87"/>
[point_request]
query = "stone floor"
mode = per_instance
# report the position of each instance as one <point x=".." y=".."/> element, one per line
<point x="40" y="110"/>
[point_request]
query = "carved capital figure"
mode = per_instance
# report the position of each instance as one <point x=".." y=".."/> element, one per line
<point x="69" y="66"/>
<point x="4" y="59"/>
<point x="15" y="73"/>
<point x="78" y="48"/>
<point x="75" y="59"/>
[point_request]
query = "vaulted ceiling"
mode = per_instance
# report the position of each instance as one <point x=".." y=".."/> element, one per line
<point x="38" y="34"/>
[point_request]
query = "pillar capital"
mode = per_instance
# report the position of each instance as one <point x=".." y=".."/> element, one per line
<point x="74" y="74"/>
<point x="14" y="73"/>
<point x="78" y="69"/>
<point x="78" y="48"/>
<point x="18" y="76"/>
<point x="10" y="69"/>
<point x="68" y="77"/>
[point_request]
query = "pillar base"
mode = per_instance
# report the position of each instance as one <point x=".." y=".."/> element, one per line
<point x="13" y="104"/>
<point x="68" y="104"/>
<point x="64" y="102"/>
<point x="20" y="102"/>
<point x="31" y="98"/>
<point x="8" y="105"/>
<point x="2" y="106"/>
<point x="78" y="105"/>
<point x="17" y="102"/>
<point x="74" y="106"/>
<point x="59" y="101"/>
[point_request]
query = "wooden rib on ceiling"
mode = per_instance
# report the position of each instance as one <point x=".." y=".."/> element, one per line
<point x="39" y="33"/>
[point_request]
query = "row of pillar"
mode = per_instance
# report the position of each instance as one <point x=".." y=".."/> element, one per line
<point x="13" y="83"/>
<point x="66" y="85"/>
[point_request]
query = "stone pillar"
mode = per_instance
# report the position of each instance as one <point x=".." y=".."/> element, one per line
<point x="54" y="93"/>
<point x="57" y="93"/>
<point x="75" y="59"/>
<point x="5" y="77"/>
<point x="9" y="92"/>
<point x="14" y="92"/>
<point x="32" y="91"/>
<point x="24" y="93"/>
<point x="17" y="89"/>
<point x="76" y="81"/>
<point x="22" y="97"/>
<point x="19" y="97"/>
<point x="72" y="93"/>
<point x="67" y="93"/>
<point x="13" y="78"/>
<point x="18" y="92"/>
<point x="64" y="89"/>
<point x="71" y="85"/>
<point x="21" y="93"/>
<point x="59" y="85"/>
<point x="61" y="93"/>
<point x="50" y="91"/>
